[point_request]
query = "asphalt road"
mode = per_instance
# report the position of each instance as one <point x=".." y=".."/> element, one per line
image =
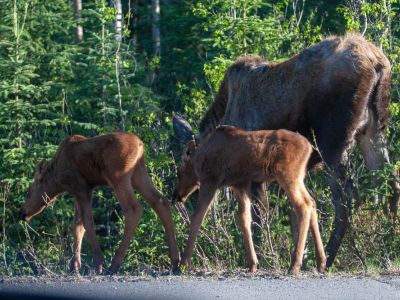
<point x="203" y="287"/>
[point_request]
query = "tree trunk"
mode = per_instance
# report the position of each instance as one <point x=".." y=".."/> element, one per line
<point x="118" y="20"/>
<point x="135" y="25"/>
<point x="155" y="11"/>
<point x="78" y="28"/>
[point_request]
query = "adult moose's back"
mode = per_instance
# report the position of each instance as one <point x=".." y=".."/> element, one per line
<point x="335" y="92"/>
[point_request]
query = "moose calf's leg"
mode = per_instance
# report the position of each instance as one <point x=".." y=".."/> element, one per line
<point x="258" y="192"/>
<point x="206" y="195"/>
<point x="302" y="207"/>
<point x="78" y="231"/>
<point x="245" y="224"/>
<point x="319" y="247"/>
<point x="163" y="210"/>
<point x="293" y="222"/>
<point x="84" y="202"/>
<point x="133" y="211"/>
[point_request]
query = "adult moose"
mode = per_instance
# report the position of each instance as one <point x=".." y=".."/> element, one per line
<point x="79" y="165"/>
<point x="335" y="93"/>
<point x="234" y="157"/>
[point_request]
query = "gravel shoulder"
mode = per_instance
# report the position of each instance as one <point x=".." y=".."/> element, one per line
<point x="204" y="286"/>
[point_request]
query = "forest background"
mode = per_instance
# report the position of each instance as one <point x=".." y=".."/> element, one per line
<point x="95" y="66"/>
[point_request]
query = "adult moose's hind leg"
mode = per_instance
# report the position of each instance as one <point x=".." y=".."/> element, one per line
<point x="133" y="211"/>
<point x="335" y="152"/>
<point x="142" y="183"/>
<point x="78" y="231"/>
<point x="335" y="123"/>
<point x="334" y="148"/>
<point x="341" y="221"/>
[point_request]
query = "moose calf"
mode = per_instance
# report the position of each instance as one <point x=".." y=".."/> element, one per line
<point x="79" y="165"/>
<point x="234" y="157"/>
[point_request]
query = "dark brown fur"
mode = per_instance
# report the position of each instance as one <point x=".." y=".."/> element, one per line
<point x="234" y="157"/>
<point x="79" y="165"/>
<point x="335" y="92"/>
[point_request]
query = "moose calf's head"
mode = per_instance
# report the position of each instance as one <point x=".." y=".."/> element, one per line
<point x="187" y="181"/>
<point x="40" y="193"/>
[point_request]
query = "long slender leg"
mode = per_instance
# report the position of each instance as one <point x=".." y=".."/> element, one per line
<point x="334" y="130"/>
<point x="84" y="202"/>
<point x="245" y="224"/>
<point x="78" y="231"/>
<point x="319" y="247"/>
<point x="302" y="207"/>
<point x="259" y="209"/>
<point x="206" y="195"/>
<point x="162" y="208"/>
<point x="341" y="221"/>
<point x="294" y="228"/>
<point x="133" y="211"/>
<point x="258" y="192"/>
<point x="343" y="192"/>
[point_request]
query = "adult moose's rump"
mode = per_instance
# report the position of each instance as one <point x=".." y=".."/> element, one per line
<point x="336" y="91"/>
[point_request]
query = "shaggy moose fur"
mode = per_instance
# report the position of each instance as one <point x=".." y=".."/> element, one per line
<point x="234" y="157"/>
<point x="335" y="93"/>
<point x="79" y="165"/>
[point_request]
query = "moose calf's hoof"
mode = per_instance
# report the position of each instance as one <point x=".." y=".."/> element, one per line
<point x="321" y="268"/>
<point x="253" y="268"/>
<point x="294" y="271"/>
<point x="75" y="266"/>
<point x="321" y="264"/>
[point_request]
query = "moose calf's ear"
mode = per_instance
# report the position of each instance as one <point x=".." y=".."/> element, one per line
<point x="182" y="129"/>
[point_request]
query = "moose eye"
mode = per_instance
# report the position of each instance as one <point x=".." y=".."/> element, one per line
<point x="28" y="193"/>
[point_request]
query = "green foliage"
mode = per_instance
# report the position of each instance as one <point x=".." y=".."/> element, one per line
<point x="51" y="86"/>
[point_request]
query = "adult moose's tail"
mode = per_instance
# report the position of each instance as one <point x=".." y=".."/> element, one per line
<point x="216" y="112"/>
